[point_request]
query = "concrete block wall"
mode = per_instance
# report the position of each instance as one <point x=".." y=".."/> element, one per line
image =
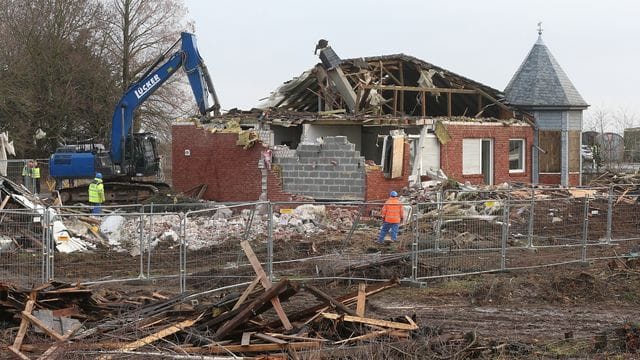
<point x="333" y="170"/>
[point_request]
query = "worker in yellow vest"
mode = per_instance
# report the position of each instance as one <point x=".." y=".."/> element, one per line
<point x="35" y="174"/>
<point x="392" y="213"/>
<point x="96" y="194"/>
<point x="26" y="174"/>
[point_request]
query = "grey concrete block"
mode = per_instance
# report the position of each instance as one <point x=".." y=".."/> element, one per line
<point x="323" y="188"/>
<point x="344" y="189"/>
<point x="323" y="174"/>
<point x="329" y="181"/>
<point x="313" y="174"/>
<point x="308" y="147"/>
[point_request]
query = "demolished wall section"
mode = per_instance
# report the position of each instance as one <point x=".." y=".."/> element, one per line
<point x="230" y="172"/>
<point x="331" y="170"/>
<point x="378" y="186"/>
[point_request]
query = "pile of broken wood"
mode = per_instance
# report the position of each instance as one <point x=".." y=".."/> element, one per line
<point x="75" y="319"/>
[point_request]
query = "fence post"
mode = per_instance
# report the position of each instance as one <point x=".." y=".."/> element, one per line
<point x="585" y="229"/>
<point x="141" y="244"/>
<point x="414" y="245"/>
<point x="609" y="215"/>
<point x="505" y="235"/>
<point x="270" y="243"/>
<point x="532" y="210"/>
<point x="249" y="222"/>
<point x="183" y="254"/>
<point x="50" y="244"/>
<point x="44" y="222"/>
<point x="439" y="206"/>
<point x="149" y="239"/>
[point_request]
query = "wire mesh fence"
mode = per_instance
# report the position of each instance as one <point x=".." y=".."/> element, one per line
<point x="199" y="246"/>
<point x="23" y="247"/>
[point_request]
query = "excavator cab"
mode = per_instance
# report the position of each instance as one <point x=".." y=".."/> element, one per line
<point x="141" y="155"/>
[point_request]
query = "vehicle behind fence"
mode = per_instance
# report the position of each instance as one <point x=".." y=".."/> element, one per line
<point x="196" y="248"/>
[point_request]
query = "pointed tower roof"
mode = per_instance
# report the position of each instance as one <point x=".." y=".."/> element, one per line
<point x="541" y="82"/>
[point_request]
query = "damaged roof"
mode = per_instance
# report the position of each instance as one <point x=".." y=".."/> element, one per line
<point x="398" y="85"/>
<point x="540" y="81"/>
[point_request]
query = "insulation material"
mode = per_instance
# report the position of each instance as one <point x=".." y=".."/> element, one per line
<point x="6" y="148"/>
<point x="247" y="139"/>
<point x="441" y="133"/>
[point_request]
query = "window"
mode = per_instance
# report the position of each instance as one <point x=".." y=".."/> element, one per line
<point x="471" y="156"/>
<point x="516" y="155"/>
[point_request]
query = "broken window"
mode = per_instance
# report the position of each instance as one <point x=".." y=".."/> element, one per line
<point x="516" y="155"/>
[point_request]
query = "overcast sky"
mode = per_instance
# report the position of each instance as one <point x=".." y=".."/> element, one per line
<point x="251" y="47"/>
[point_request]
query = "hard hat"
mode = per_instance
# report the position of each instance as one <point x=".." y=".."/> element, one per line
<point x="393" y="194"/>
<point x="98" y="176"/>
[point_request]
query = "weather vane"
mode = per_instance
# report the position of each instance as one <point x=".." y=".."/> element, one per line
<point x="539" y="27"/>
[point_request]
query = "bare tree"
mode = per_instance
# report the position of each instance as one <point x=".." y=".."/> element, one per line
<point x="138" y="32"/>
<point x="52" y="78"/>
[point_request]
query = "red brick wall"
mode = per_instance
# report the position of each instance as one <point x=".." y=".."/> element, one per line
<point x="230" y="172"/>
<point x="377" y="187"/>
<point x="451" y="153"/>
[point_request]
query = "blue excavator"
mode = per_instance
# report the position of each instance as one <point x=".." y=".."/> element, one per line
<point x="133" y="156"/>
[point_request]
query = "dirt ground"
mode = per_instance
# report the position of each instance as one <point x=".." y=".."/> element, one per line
<point x="558" y="312"/>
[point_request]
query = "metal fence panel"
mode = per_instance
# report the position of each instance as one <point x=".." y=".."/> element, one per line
<point x="211" y="251"/>
<point x="23" y="249"/>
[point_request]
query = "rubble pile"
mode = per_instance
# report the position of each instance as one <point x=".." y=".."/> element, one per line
<point x="76" y="319"/>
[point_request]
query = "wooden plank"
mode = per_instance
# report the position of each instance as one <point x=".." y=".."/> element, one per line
<point x="269" y="338"/>
<point x="247" y="292"/>
<point x="424" y="103"/>
<point x="371" y="335"/>
<point x="249" y="311"/>
<point x="37" y="322"/>
<point x="369" y="321"/>
<point x="421" y="89"/>
<point x="362" y="296"/>
<point x="246" y="338"/>
<point x="449" y="104"/>
<point x="160" y="334"/>
<point x="266" y="283"/>
<point x="216" y="349"/>
<point x="24" y="324"/>
<point x="397" y="160"/>
<point x="4" y="202"/>
<point x="294" y="337"/>
<point x="333" y="302"/>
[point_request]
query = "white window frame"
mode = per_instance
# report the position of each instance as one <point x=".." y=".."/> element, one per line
<point x="472" y="156"/>
<point x="522" y="155"/>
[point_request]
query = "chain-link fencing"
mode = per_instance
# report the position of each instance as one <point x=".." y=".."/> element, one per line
<point x="194" y="247"/>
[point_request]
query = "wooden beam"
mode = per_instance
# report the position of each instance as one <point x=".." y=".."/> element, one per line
<point x="368" y="321"/>
<point x="215" y="349"/>
<point x="37" y="322"/>
<point x="362" y="296"/>
<point x="266" y="283"/>
<point x="395" y="102"/>
<point x="4" y="202"/>
<point x="424" y="103"/>
<point x="248" y="311"/>
<point x="449" y="104"/>
<point x="246" y="292"/>
<point x="420" y="89"/>
<point x="269" y="338"/>
<point x="401" y="71"/>
<point x="160" y="334"/>
<point x="333" y="302"/>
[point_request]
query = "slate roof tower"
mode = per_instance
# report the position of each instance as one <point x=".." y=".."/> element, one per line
<point x="541" y="87"/>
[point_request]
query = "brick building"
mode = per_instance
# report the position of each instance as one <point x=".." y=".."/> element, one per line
<point x="356" y="129"/>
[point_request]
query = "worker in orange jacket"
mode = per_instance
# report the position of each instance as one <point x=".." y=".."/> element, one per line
<point x="392" y="214"/>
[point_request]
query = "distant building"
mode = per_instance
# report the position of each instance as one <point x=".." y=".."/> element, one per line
<point x="541" y="87"/>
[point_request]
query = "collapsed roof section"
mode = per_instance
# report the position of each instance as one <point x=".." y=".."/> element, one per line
<point x="392" y="85"/>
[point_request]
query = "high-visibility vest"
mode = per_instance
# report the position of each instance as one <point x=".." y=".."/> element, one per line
<point x="392" y="211"/>
<point x="26" y="171"/>
<point x="96" y="191"/>
<point x="35" y="172"/>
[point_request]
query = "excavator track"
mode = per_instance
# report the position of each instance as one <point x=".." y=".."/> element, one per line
<point x="116" y="192"/>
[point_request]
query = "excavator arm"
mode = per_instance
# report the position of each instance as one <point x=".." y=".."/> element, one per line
<point x="201" y="85"/>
